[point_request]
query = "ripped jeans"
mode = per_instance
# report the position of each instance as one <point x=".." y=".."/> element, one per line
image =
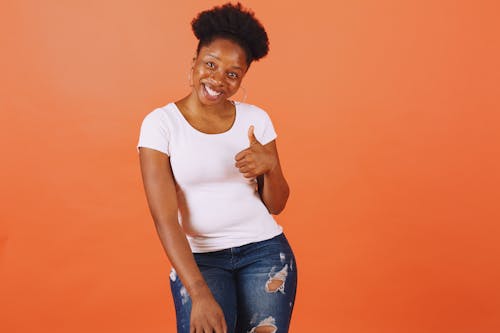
<point x="254" y="284"/>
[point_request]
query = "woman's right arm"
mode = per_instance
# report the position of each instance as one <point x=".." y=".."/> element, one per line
<point x="160" y="190"/>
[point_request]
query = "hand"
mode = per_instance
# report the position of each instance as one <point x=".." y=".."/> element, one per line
<point x="256" y="160"/>
<point x="207" y="316"/>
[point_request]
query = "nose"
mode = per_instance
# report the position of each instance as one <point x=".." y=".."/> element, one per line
<point x="216" y="77"/>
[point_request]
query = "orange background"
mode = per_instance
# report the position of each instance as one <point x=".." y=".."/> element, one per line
<point x="388" y="120"/>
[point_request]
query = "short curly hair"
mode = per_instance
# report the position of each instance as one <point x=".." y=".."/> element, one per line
<point x="234" y="23"/>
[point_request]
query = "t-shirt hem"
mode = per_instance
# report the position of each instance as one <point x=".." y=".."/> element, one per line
<point x="238" y="243"/>
<point x="152" y="147"/>
<point x="265" y="142"/>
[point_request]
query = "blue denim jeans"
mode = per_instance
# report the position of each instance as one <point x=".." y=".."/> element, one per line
<point x="254" y="284"/>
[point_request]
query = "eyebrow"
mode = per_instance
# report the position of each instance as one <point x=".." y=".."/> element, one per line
<point x="213" y="56"/>
<point x="216" y="57"/>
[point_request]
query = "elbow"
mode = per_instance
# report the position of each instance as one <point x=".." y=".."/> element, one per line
<point x="277" y="208"/>
<point x="276" y="211"/>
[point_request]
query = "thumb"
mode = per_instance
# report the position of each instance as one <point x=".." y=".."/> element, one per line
<point x="251" y="136"/>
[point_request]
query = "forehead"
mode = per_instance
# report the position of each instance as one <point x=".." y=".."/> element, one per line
<point x="225" y="50"/>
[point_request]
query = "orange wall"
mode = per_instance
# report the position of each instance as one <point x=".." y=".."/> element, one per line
<point x="388" y="120"/>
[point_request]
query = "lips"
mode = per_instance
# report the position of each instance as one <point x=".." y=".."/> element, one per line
<point x="210" y="93"/>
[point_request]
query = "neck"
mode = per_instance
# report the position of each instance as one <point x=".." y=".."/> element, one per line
<point x="193" y="104"/>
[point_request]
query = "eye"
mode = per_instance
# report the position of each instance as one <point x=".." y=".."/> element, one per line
<point x="232" y="75"/>
<point x="210" y="64"/>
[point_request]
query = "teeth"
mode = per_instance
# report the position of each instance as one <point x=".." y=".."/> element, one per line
<point x="212" y="92"/>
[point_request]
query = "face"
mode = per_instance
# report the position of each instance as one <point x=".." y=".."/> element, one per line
<point x="218" y="71"/>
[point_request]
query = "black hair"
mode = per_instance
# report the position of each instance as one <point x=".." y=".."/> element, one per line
<point x="235" y="23"/>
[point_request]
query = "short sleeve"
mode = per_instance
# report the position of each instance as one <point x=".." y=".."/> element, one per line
<point x="268" y="133"/>
<point x="154" y="132"/>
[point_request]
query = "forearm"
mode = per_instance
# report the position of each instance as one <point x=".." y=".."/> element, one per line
<point x="160" y="188"/>
<point x="161" y="196"/>
<point x="274" y="190"/>
<point x="177" y="248"/>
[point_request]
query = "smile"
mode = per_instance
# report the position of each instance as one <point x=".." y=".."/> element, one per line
<point x="212" y="92"/>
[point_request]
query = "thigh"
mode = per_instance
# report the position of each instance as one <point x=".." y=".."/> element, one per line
<point x="221" y="284"/>
<point x="266" y="288"/>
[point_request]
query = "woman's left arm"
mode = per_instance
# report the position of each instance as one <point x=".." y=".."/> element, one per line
<point x="262" y="162"/>
<point x="273" y="188"/>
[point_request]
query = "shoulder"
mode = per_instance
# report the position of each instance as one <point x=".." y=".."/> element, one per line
<point x="163" y="117"/>
<point x="252" y="111"/>
<point x="250" y="108"/>
<point x="258" y="117"/>
<point x="160" y="114"/>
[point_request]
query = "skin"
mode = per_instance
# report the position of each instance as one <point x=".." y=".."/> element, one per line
<point x="221" y="66"/>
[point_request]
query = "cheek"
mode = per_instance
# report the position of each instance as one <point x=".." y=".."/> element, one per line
<point x="234" y="84"/>
<point x="199" y="72"/>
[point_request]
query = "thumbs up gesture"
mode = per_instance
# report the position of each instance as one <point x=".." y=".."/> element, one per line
<point x="256" y="160"/>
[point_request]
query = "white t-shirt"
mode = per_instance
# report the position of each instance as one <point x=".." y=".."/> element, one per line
<point x="218" y="207"/>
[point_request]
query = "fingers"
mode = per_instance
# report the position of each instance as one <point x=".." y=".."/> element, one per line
<point x="221" y="323"/>
<point x="215" y="327"/>
<point x="252" y="139"/>
<point x="224" y="326"/>
<point x="251" y="136"/>
<point x="246" y="161"/>
<point x="247" y="166"/>
<point x="207" y="317"/>
<point x="221" y="327"/>
<point x="242" y="154"/>
<point x="245" y="170"/>
<point x="211" y="323"/>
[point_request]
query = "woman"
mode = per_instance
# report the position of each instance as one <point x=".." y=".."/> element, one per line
<point x="212" y="178"/>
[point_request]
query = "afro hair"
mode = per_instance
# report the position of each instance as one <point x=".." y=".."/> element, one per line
<point x="234" y="23"/>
